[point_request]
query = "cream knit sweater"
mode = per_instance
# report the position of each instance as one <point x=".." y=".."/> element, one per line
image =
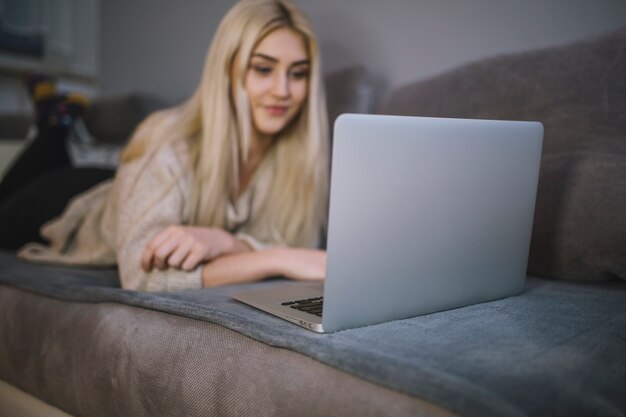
<point x="111" y="223"/>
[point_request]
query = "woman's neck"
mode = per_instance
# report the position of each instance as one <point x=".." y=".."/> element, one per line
<point x="259" y="145"/>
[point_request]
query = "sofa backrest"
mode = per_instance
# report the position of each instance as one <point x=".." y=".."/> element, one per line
<point x="113" y="119"/>
<point x="578" y="91"/>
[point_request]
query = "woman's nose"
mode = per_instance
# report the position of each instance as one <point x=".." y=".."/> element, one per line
<point x="281" y="86"/>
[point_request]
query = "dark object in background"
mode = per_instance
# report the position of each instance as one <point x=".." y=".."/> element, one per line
<point x="18" y="44"/>
<point x="42" y="199"/>
<point x="46" y="153"/>
<point x="41" y="181"/>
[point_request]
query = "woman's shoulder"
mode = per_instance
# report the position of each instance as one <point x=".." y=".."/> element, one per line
<point x="158" y="135"/>
<point x="176" y="155"/>
<point x="164" y="168"/>
<point x="171" y="159"/>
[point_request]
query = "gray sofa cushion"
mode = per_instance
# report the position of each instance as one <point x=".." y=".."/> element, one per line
<point x="578" y="91"/>
<point x="349" y="90"/>
<point x="580" y="231"/>
<point x="111" y="120"/>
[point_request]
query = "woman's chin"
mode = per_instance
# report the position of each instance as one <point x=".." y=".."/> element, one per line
<point x="271" y="129"/>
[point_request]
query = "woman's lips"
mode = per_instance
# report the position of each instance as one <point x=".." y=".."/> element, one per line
<point x="276" y="110"/>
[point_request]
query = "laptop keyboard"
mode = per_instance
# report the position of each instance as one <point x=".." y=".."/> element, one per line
<point x="308" y="305"/>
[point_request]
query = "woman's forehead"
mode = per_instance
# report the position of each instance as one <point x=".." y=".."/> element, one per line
<point x="282" y="44"/>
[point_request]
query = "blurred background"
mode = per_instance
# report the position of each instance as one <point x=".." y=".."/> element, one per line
<point x="111" y="47"/>
<point x="108" y="47"/>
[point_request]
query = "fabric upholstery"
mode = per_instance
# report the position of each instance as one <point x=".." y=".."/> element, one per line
<point x="349" y="90"/>
<point x="580" y="217"/>
<point x="578" y="92"/>
<point x="109" y="359"/>
<point x="547" y="349"/>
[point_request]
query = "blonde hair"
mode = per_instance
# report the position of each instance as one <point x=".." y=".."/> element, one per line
<point x="217" y="124"/>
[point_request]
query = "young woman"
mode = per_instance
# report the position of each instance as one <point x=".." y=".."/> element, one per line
<point x="229" y="187"/>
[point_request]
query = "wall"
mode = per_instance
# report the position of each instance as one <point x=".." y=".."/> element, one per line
<point x="159" y="45"/>
<point x="405" y="40"/>
<point x="72" y="50"/>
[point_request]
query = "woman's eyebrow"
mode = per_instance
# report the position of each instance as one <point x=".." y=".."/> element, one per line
<point x="272" y="59"/>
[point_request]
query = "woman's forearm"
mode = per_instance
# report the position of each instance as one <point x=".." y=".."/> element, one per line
<point x="240" y="267"/>
<point x="295" y="263"/>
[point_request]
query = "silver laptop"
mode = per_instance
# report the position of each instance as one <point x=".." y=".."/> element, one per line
<point x="426" y="214"/>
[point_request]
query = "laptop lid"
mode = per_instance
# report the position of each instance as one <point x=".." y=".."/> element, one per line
<point x="427" y="214"/>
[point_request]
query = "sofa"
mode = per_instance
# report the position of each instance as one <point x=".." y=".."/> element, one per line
<point x="73" y="343"/>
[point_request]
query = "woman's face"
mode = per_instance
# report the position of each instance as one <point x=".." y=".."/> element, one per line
<point x="277" y="80"/>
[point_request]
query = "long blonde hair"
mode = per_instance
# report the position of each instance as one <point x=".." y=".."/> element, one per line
<point x="217" y="125"/>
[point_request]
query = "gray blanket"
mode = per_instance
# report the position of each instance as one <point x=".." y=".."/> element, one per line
<point x="557" y="349"/>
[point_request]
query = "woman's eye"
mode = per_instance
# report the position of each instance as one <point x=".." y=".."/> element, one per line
<point x="260" y="69"/>
<point x="299" y="74"/>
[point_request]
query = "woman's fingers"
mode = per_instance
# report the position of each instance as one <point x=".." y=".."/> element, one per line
<point x="158" y="250"/>
<point x="185" y="247"/>
<point x="162" y="237"/>
<point x="193" y="260"/>
<point x="164" y="251"/>
<point x="146" y="259"/>
<point x="180" y="253"/>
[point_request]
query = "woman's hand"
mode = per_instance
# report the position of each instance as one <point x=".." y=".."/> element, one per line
<point x="185" y="247"/>
<point x="301" y="264"/>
